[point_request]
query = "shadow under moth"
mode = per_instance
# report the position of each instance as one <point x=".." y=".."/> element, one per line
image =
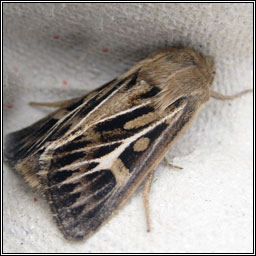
<point x="90" y="155"/>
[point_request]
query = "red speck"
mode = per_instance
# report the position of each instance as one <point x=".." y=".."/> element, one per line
<point x="10" y="106"/>
<point x="105" y="50"/>
<point x="16" y="69"/>
<point x="65" y="82"/>
<point x="35" y="199"/>
<point x="56" y="37"/>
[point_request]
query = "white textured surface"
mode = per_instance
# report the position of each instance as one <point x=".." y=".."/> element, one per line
<point x="207" y="207"/>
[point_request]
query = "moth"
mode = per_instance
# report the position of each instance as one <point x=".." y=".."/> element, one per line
<point x="90" y="155"/>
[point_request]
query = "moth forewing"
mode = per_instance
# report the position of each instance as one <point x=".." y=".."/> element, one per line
<point x="90" y="155"/>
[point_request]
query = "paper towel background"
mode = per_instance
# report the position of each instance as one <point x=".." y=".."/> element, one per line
<point x="56" y="51"/>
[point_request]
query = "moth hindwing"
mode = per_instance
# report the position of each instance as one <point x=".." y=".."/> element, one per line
<point x="90" y="155"/>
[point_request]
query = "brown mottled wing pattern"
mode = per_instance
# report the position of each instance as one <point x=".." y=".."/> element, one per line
<point x="89" y="157"/>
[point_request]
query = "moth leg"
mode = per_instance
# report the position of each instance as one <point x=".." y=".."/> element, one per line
<point x="175" y="167"/>
<point x="220" y="96"/>
<point x="145" y="197"/>
<point x="57" y="104"/>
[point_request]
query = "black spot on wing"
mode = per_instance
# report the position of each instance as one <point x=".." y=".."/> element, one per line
<point x="156" y="132"/>
<point x="133" y="80"/>
<point x="129" y="156"/>
<point x="104" y="150"/>
<point x="79" y="138"/>
<point x="67" y="159"/>
<point x="92" y="165"/>
<point x="154" y="91"/>
<point x="59" y="176"/>
<point x="41" y="151"/>
<point x="71" y="146"/>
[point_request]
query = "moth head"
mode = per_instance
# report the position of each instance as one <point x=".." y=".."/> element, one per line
<point x="179" y="72"/>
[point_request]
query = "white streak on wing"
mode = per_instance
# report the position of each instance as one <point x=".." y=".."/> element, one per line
<point x="103" y="120"/>
<point x="121" y="113"/>
<point x="101" y="103"/>
<point x="106" y="161"/>
<point x="64" y="117"/>
<point x="62" y="141"/>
